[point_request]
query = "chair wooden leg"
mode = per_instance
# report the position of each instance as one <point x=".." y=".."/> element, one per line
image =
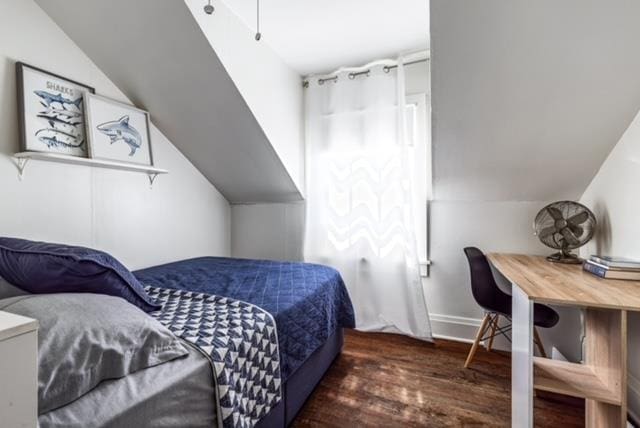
<point x="474" y="347"/>
<point x="538" y="341"/>
<point x="494" y="325"/>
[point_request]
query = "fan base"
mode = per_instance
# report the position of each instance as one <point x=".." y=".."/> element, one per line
<point x="565" y="258"/>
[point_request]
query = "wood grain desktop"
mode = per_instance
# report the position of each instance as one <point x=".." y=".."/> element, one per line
<point x="568" y="285"/>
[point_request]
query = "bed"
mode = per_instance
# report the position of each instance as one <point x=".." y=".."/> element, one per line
<point x="308" y="304"/>
<point x="179" y="393"/>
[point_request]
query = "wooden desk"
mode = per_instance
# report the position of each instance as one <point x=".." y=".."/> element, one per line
<point x="602" y="380"/>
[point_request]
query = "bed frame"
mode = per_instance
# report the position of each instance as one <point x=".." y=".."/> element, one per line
<point x="301" y="383"/>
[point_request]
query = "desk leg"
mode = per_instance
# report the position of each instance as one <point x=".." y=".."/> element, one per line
<point x="606" y="352"/>
<point x="521" y="360"/>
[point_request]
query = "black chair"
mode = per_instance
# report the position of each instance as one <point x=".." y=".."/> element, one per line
<point x="497" y="303"/>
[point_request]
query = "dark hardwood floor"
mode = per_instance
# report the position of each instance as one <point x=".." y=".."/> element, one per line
<point x="384" y="380"/>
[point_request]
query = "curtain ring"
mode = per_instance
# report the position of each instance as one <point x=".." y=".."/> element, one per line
<point x="352" y="76"/>
<point x="386" y="69"/>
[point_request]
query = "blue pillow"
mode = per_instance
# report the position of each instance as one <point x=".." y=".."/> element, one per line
<point x="40" y="267"/>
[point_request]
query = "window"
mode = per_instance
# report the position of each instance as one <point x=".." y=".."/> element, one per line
<point x="419" y="135"/>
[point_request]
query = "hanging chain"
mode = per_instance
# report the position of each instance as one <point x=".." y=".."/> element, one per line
<point x="258" y="35"/>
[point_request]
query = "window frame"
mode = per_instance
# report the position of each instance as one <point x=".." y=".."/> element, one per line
<point x="422" y="134"/>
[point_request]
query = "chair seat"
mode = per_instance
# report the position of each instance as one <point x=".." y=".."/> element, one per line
<point x="544" y="316"/>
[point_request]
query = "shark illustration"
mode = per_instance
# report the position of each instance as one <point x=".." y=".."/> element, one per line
<point x="49" y="98"/>
<point x="52" y="120"/>
<point x="54" y="142"/>
<point x="58" y="131"/>
<point x="121" y="130"/>
<point x="62" y="113"/>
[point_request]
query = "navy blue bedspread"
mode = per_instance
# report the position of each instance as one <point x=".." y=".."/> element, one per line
<point x="309" y="302"/>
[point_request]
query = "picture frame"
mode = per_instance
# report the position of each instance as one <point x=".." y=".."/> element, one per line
<point x="51" y="112"/>
<point x="117" y="131"/>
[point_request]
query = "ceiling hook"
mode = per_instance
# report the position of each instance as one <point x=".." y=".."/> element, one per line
<point x="208" y="9"/>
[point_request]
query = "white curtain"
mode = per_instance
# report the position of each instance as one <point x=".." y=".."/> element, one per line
<point x="360" y="202"/>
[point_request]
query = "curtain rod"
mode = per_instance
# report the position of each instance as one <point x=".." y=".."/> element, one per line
<point x="388" y="68"/>
<point x="353" y="75"/>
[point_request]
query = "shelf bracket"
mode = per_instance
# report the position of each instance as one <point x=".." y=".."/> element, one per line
<point x="152" y="177"/>
<point x="21" y="164"/>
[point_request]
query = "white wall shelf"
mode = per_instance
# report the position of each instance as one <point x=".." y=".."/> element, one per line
<point x="23" y="157"/>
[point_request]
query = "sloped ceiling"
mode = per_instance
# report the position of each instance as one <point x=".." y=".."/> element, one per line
<point x="156" y="53"/>
<point x="529" y="97"/>
<point x="321" y="36"/>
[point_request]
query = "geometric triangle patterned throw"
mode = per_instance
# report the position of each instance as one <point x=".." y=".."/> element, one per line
<point x="241" y="341"/>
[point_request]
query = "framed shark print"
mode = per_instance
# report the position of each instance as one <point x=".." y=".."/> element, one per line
<point x="51" y="112"/>
<point x="117" y="131"/>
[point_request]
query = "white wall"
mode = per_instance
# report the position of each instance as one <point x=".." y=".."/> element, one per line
<point x="455" y="224"/>
<point x="613" y="196"/>
<point x="529" y="97"/>
<point x="268" y="231"/>
<point x="271" y="88"/>
<point x="182" y="216"/>
<point x="417" y="78"/>
<point x="274" y="92"/>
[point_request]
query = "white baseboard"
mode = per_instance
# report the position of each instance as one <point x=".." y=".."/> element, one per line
<point x="459" y="329"/>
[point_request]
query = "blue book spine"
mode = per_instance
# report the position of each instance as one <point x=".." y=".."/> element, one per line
<point x="596" y="270"/>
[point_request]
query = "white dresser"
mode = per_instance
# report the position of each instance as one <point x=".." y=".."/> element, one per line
<point x="18" y="371"/>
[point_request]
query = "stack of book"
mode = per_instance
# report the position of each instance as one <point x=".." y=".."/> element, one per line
<point x="613" y="267"/>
